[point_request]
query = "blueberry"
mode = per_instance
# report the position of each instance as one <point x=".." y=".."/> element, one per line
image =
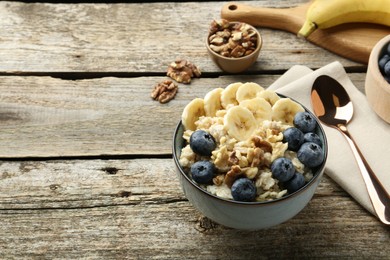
<point x="282" y="169"/>
<point x="310" y="154"/>
<point x="202" y="171"/>
<point x="202" y="142"/>
<point x="382" y="61"/>
<point x="387" y="68"/>
<point x="243" y="189"/>
<point x="295" y="183"/>
<point x="294" y="137"/>
<point x="388" y="48"/>
<point x="312" y="137"/>
<point x="305" y="122"/>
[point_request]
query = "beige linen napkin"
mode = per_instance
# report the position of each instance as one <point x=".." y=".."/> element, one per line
<point x="371" y="134"/>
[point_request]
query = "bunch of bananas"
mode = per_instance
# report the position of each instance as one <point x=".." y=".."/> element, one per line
<point x="328" y="13"/>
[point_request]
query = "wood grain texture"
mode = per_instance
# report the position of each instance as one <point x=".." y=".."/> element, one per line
<point x="75" y="82"/>
<point x="73" y="209"/>
<point x="49" y="117"/>
<point x="132" y="38"/>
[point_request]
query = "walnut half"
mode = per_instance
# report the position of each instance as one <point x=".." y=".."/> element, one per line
<point x="164" y="91"/>
<point x="182" y="71"/>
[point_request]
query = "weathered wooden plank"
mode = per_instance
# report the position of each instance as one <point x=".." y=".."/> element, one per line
<point x="47" y="38"/>
<point x="177" y="231"/>
<point x="73" y="209"/>
<point x="97" y="183"/>
<point x="44" y="116"/>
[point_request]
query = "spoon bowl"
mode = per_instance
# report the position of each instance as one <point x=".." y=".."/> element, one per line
<point x="332" y="105"/>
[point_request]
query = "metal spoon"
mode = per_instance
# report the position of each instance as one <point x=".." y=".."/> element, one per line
<point x="334" y="108"/>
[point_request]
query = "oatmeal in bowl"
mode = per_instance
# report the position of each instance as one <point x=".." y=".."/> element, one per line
<point x="247" y="149"/>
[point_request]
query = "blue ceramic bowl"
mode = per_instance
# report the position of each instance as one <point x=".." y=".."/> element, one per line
<point x="246" y="215"/>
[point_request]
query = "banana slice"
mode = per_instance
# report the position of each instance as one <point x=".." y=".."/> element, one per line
<point x="212" y="102"/>
<point x="240" y="123"/>
<point x="269" y="95"/>
<point x="285" y="109"/>
<point x="259" y="107"/>
<point x="248" y="90"/>
<point x="228" y="95"/>
<point x="191" y="113"/>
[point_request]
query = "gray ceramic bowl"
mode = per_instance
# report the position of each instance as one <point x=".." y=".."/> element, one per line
<point x="246" y="215"/>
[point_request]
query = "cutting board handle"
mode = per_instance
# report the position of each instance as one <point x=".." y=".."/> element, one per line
<point x="288" y="19"/>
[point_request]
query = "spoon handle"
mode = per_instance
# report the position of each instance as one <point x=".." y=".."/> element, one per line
<point x="380" y="199"/>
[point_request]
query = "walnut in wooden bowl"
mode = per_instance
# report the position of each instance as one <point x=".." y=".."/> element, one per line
<point x="233" y="46"/>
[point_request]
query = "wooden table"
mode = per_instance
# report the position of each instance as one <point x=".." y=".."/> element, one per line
<point x="86" y="167"/>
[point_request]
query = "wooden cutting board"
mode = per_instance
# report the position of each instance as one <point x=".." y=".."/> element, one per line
<point x="353" y="41"/>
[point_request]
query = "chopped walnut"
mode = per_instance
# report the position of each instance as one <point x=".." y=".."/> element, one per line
<point x="164" y="91"/>
<point x="232" y="39"/>
<point x="218" y="180"/>
<point x="232" y="175"/>
<point x="258" y="155"/>
<point x="218" y="25"/>
<point x="233" y="160"/>
<point x="182" y="71"/>
<point x="264" y="145"/>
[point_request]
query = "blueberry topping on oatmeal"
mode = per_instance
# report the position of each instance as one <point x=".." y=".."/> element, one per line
<point x="295" y="183"/>
<point x="312" y="137"/>
<point x="282" y="169"/>
<point x="203" y="172"/>
<point x="243" y="189"/>
<point x="304" y="122"/>
<point x="294" y="137"/>
<point x="202" y="142"/>
<point x="310" y="154"/>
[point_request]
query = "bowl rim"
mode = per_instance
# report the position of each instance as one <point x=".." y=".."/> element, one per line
<point x="319" y="170"/>
<point x="255" y="52"/>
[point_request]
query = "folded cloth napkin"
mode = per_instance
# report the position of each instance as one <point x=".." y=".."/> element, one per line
<point x="371" y="134"/>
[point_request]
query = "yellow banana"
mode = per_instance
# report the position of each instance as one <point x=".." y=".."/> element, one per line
<point x="328" y="13"/>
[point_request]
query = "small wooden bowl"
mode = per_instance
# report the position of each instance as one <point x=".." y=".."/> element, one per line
<point x="376" y="87"/>
<point x="235" y="65"/>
